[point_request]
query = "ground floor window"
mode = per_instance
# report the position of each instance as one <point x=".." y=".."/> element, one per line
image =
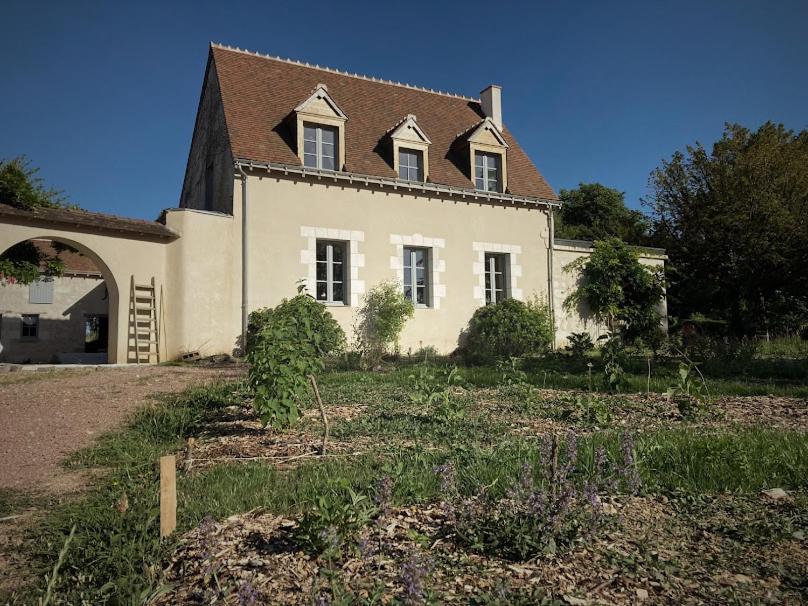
<point x="496" y="277"/>
<point x="96" y="334"/>
<point x="331" y="271"/>
<point x="416" y="275"/>
<point x="30" y="326"/>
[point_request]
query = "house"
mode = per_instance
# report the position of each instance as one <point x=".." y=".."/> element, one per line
<point x="56" y="319"/>
<point x="341" y="181"/>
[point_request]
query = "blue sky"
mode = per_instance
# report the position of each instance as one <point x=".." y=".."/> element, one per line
<point x="102" y="96"/>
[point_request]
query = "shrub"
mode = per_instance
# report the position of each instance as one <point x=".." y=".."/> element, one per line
<point x="507" y="329"/>
<point x="579" y="343"/>
<point x="289" y="347"/>
<point x="382" y="316"/>
<point x="331" y="337"/>
<point x="334" y="519"/>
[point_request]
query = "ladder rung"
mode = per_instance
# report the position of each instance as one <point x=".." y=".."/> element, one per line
<point x="144" y="287"/>
<point x="142" y="308"/>
<point x="145" y="297"/>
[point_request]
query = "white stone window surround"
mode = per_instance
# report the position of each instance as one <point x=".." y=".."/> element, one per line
<point x="514" y="271"/>
<point x="437" y="289"/>
<point x="356" y="260"/>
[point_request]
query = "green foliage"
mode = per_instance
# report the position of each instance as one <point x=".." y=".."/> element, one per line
<point x="507" y="329"/>
<point x="331" y="339"/>
<point x="334" y="519"/>
<point x="618" y="290"/>
<point x="382" y="316"/>
<point x="689" y="394"/>
<point x="595" y="212"/>
<point x="23" y="263"/>
<point x="580" y="343"/>
<point x="732" y="220"/>
<point x="21" y="188"/>
<point x="614" y="357"/>
<point x="433" y="387"/>
<point x="290" y="346"/>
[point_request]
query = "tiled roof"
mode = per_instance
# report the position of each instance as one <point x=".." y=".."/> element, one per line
<point x="72" y="259"/>
<point x="259" y="93"/>
<point x="73" y="219"/>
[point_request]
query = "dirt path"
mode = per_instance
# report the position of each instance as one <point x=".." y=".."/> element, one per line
<point x="46" y="416"/>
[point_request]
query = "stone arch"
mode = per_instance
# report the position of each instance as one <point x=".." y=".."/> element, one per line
<point x="113" y="290"/>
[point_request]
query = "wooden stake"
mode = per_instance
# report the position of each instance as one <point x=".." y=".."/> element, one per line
<point x="168" y="495"/>
<point x="313" y="382"/>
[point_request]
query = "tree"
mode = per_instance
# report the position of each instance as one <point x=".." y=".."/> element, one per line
<point x="617" y="290"/>
<point x="21" y="188"/>
<point x="593" y="212"/>
<point x="734" y="222"/>
<point x="380" y="321"/>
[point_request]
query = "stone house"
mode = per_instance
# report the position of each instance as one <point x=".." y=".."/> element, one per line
<point x="299" y="172"/>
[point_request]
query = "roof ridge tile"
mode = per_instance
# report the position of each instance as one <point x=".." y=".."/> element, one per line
<point x="341" y="72"/>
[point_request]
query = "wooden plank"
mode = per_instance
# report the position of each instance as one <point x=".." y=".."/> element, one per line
<point x="168" y="495"/>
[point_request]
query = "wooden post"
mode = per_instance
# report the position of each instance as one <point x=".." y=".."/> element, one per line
<point x="168" y="495"/>
<point x="326" y="427"/>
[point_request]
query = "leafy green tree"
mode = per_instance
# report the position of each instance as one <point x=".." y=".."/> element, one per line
<point x="21" y="188"/>
<point x="380" y="321"/>
<point x="734" y="222"/>
<point x="617" y="290"/>
<point x="593" y="212"/>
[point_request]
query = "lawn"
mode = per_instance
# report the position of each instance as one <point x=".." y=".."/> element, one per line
<point x="485" y="486"/>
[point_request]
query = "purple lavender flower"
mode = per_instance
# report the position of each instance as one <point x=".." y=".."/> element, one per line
<point x="629" y="470"/>
<point x="366" y="548"/>
<point x="413" y="575"/>
<point x="384" y="494"/>
<point x="330" y="538"/>
<point x="247" y="596"/>
<point x="322" y="600"/>
<point x="446" y="473"/>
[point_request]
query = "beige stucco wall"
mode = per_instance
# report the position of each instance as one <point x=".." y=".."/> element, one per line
<point x="285" y="217"/>
<point x="117" y="257"/>
<point x="61" y="323"/>
<point x="565" y="282"/>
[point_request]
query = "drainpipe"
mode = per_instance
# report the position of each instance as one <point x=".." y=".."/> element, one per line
<point x="550" y="279"/>
<point x="244" y="258"/>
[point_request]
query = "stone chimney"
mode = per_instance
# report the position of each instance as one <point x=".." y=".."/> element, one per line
<point x="491" y="100"/>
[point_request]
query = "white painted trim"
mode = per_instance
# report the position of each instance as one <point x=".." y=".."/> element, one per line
<point x="478" y="268"/>
<point x="356" y="262"/>
<point x="437" y="265"/>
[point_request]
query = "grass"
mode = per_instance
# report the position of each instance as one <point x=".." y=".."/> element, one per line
<point x="116" y="557"/>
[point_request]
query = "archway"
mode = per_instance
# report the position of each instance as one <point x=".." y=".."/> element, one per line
<point x="101" y="322"/>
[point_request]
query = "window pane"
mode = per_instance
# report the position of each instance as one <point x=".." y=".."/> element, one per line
<point x="407" y="292"/>
<point x="328" y="163"/>
<point x="499" y="281"/>
<point x="338" y="252"/>
<point x="407" y="277"/>
<point x="322" y="291"/>
<point x="337" y="272"/>
<point x="309" y="133"/>
<point x="421" y="295"/>
<point x="322" y="249"/>
<point x="329" y="136"/>
<point x="420" y="258"/>
<point x="310" y="160"/>
<point x="321" y="271"/>
<point x="407" y="257"/>
<point x="309" y="147"/>
<point x="339" y="292"/>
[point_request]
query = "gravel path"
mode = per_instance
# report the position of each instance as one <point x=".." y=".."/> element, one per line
<point x="46" y="416"/>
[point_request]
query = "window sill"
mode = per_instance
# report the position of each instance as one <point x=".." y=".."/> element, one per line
<point x="334" y="303"/>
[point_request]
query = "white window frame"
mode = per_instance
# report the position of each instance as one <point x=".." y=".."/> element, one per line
<point x="329" y="265"/>
<point x="318" y="143"/>
<point x="492" y="294"/>
<point x="411" y="251"/>
<point x="407" y="169"/>
<point x="487" y="157"/>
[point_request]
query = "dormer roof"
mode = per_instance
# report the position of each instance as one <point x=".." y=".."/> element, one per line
<point x="408" y="130"/>
<point x="487" y="133"/>
<point x="320" y="103"/>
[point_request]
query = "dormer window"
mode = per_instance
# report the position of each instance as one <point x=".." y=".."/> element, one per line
<point x="410" y="164"/>
<point x="488" y="171"/>
<point x="410" y="150"/>
<point x="320" y="146"/>
<point x="321" y="131"/>
<point x="489" y="157"/>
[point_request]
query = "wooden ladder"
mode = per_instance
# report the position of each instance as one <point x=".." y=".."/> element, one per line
<point x="144" y="328"/>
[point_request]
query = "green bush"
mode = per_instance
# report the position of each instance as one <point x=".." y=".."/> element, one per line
<point x="507" y="329"/>
<point x="290" y="346"/>
<point x="331" y="338"/>
<point x="579" y="343"/>
<point x="382" y="316"/>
